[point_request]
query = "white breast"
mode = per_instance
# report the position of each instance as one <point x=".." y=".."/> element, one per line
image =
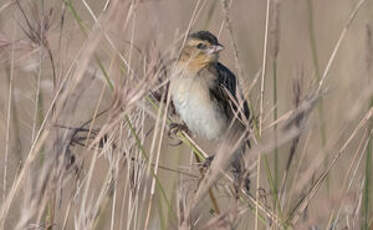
<point x="192" y="101"/>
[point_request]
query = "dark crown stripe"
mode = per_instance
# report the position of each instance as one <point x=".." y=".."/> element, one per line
<point x="205" y="36"/>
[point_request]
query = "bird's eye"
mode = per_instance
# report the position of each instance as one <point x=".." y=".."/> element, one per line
<point x="201" y="46"/>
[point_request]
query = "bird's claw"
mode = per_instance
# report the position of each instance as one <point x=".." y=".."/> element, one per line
<point x="241" y="180"/>
<point x="177" y="127"/>
<point x="207" y="162"/>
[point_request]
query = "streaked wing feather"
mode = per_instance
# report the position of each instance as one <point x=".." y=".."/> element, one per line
<point x="226" y="81"/>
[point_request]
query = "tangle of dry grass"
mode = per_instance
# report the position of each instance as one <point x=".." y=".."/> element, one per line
<point x="87" y="113"/>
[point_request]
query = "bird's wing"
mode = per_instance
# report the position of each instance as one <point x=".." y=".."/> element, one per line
<point x="225" y="90"/>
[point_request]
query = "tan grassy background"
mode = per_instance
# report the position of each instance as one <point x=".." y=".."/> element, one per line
<point x="51" y="191"/>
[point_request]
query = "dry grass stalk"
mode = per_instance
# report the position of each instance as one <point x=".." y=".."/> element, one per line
<point x="311" y="193"/>
<point x="339" y="42"/>
<point x="110" y="166"/>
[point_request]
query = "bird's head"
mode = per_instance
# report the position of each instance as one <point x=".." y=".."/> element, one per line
<point x="201" y="49"/>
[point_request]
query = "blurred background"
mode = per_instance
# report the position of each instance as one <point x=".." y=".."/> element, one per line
<point x="62" y="63"/>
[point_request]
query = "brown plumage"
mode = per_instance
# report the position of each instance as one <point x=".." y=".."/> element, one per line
<point x="204" y="91"/>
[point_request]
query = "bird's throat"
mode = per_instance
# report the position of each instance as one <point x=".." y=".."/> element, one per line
<point x="195" y="64"/>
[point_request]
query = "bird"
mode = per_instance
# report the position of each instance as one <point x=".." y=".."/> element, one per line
<point x="205" y="93"/>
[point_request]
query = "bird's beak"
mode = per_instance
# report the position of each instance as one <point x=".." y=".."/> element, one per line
<point x="215" y="49"/>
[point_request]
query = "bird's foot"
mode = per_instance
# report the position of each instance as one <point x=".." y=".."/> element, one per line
<point x="241" y="180"/>
<point x="207" y="162"/>
<point x="177" y="127"/>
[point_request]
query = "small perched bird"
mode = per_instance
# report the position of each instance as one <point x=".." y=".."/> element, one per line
<point x="204" y="91"/>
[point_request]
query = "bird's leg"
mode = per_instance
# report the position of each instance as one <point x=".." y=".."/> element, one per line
<point x="236" y="171"/>
<point x="241" y="176"/>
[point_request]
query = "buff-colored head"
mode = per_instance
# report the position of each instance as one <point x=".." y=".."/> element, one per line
<point x="201" y="49"/>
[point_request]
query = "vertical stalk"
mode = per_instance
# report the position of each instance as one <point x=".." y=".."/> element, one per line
<point x="264" y="63"/>
<point x="275" y="116"/>
<point x="367" y="189"/>
<point x="320" y="106"/>
<point x="365" y="210"/>
<point x="317" y="69"/>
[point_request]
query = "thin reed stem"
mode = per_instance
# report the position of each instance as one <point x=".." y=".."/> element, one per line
<point x="261" y="111"/>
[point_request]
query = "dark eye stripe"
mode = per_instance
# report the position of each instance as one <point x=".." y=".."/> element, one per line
<point x="201" y="46"/>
